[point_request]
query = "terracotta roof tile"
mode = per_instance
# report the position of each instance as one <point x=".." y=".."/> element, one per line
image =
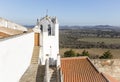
<point x="80" y="70"/>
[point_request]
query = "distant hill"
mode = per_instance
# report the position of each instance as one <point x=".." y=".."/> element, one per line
<point x="29" y="26"/>
<point x="96" y="27"/>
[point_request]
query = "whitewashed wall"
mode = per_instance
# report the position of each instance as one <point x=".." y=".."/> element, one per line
<point x="15" y="56"/>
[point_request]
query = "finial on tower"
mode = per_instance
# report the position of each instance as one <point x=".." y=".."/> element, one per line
<point x="46" y="12"/>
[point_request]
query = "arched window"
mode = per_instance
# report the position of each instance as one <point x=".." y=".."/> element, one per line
<point x="41" y="28"/>
<point x="49" y="29"/>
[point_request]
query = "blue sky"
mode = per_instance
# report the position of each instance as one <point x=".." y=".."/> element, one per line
<point x="69" y="12"/>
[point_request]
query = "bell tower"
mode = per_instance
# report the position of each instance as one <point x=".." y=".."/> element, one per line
<point x="48" y="29"/>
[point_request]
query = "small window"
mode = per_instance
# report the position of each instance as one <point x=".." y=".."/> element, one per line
<point x="49" y="30"/>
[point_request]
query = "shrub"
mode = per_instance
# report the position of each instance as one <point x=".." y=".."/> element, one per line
<point x="69" y="53"/>
<point x="106" y="55"/>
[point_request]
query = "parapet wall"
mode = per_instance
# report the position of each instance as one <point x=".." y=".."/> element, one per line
<point x="15" y="56"/>
<point x="9" y="24"/>
<point x="108" y="66"/>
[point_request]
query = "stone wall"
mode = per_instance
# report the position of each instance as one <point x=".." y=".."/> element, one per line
<point x="9" y="24"/>
<point x="108" y="66"/>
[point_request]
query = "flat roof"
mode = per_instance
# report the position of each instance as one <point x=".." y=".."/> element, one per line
<point x="111" y="79"/>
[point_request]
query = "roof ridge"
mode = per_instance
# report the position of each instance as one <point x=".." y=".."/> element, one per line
<point x="69" y="58"/>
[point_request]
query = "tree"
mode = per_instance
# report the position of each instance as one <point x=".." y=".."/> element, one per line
<point x="69" y="53"/>
<point x="106" y="55"/>
<point x="85" y="53"/>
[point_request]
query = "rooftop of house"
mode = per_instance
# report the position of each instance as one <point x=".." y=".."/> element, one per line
<point x="81" y="69"/>
<point x="3" y="35"/>
<point x="6" y="32"/>
<point x="111" y="79"/>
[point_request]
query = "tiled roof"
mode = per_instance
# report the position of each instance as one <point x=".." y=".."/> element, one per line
<point x="80" y="70"/>
<point x="10" y="31"/>
<point x="2" y="35"/>
<point x="6" y="32"/>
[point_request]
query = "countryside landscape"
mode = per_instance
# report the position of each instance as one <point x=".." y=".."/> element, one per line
<point x="94" y="39"/>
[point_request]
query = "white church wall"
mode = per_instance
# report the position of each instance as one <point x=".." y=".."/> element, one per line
<point x="57" y="36"/>
<point x="15" y="56"/>
<point x="51" y="47"/>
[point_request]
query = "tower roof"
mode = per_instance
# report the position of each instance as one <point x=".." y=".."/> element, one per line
<point x="49" y="19"/>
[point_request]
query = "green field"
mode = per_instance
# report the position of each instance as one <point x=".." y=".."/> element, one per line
<point x="105" y="40"/>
